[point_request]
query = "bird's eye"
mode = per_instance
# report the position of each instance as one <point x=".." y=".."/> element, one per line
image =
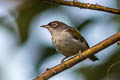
<point x="54" y="25"/>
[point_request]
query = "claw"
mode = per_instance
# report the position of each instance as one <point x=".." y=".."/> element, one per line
<point x="88" y="5"/>
<point x="79" y="54"/>
<point x="96" y="5"/>
<point x="74" y="0"/>
<point x="62" y="61"/>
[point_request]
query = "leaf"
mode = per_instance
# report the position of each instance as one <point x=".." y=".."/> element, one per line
<point x="85" y="23"/>
<point x="27" y="11"/>
<point x="47" y="52"/>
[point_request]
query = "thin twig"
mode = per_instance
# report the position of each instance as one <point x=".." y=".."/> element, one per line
<point x="85" y="6"/>
<point x="71" y="62"/>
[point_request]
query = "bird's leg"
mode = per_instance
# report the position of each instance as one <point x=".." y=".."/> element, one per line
<point x="63" y="59"/>
<point x="74" y="0"/>
<point x="79" y="54"/>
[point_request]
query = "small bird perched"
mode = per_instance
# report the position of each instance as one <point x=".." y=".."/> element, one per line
<point x="67" y="40"/>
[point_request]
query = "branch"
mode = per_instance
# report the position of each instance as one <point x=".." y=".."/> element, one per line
<point x="85" y="6"/>
<point x="76" y="59"/>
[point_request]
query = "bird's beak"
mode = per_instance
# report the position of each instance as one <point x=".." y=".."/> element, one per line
<point x="45" y="26"/>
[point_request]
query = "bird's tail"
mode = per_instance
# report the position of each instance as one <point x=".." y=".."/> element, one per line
<point x="93" y="58"/>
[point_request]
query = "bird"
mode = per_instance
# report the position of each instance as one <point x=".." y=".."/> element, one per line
<point x="67" y="40"/>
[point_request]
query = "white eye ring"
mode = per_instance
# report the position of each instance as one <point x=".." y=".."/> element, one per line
<point x="54" y="25"/>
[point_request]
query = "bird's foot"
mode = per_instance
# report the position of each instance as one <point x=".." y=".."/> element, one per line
<point x="74" y="0"/>
<point x="88" y="5"/>
<point x="79" y="54"/>
<point x="62" y="61"/>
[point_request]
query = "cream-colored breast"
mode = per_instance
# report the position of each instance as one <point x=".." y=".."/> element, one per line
<point x="65" y="43"/>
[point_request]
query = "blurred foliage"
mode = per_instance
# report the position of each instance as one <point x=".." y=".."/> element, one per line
<point x="85" y="23"/>
<point x="48" y="51"/>
<point x="30" y="8"/>
<point x="27" y="11"/>
<point x="99" y="72"/>
<point x="117" y="17"/>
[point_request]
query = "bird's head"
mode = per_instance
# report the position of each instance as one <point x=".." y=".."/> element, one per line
<point x="55" y="26"/>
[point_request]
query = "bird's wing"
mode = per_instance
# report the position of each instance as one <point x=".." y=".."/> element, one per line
<point x="76" y="34"/>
